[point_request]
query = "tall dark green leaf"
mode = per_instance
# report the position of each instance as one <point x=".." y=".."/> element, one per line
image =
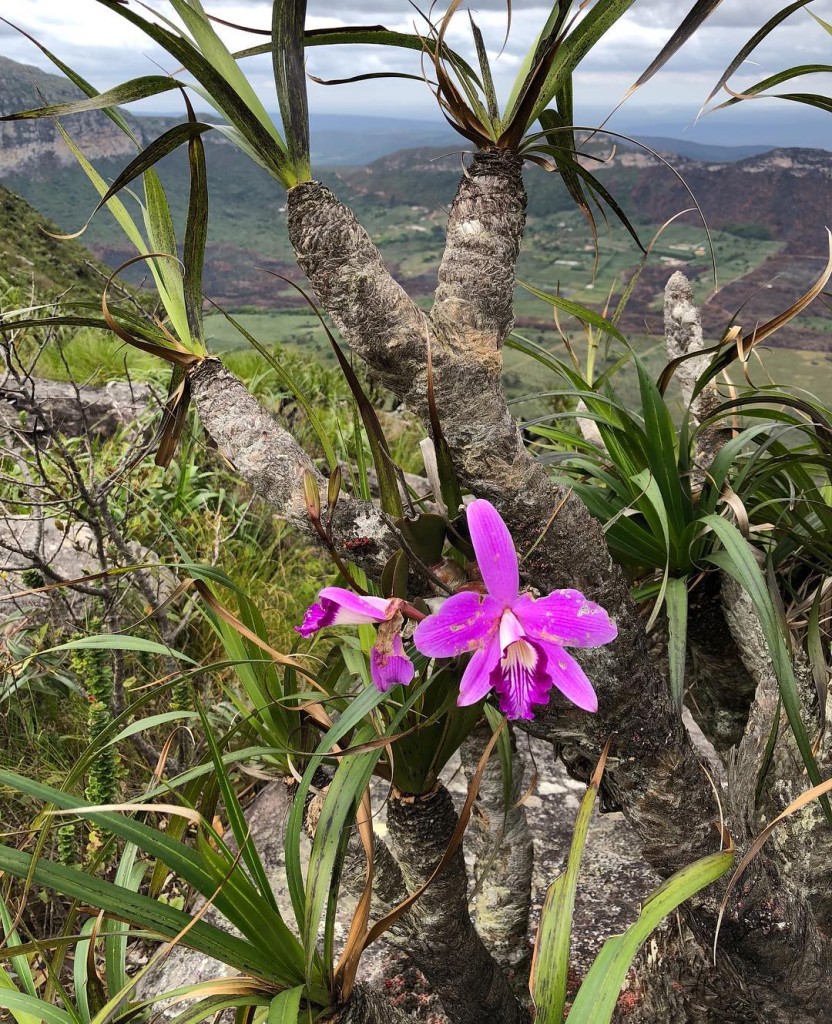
<point x="128" y="92"/>
<point x="696" y="16"/>
<point x="754" y="42"/>
<point x="288" y="20"/>
<point x="142" y="911"/>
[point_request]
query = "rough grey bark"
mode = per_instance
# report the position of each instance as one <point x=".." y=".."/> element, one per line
<point x="683" y="336"/>
<point x="373" y="312"/>
<point x="475" y="297"/>
<point x="445" y="945"/>
<point x="368" y="1007"/>
<point x="502" y="841"/>
<point x="388" y="883"/>
<point x="719" y="688"/>
<point x="269" y="458"/>
<point x="800" y="846"/>
<point x="487" y="447"/>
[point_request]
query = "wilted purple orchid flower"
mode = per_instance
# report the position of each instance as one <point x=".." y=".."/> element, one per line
<point x="389" y="664"/>
<point x="517" y="641"/>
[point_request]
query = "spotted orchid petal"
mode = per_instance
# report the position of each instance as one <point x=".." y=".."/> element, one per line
<point x="565" y="618"/>
<point x="568" y="676"/>
<point x="462" y="624"/>
<point x="476" y="679"/>
<point x="389" y="665"/>
<point x="495" y="552"/>
<point x="339" y="607"/>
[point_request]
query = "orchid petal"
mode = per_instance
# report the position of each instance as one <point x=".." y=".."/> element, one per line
<point x="462" y="624"/>
<point x="565" y="618"/>
<point x="522" y="678"/>
<point x="476" y="679"/>
<point x="339" y="607"/>
<point x="570" y="678"/>
<point x="391" y="668"/>
<point x="495" y="552"/>
<point x="353" y="609"/>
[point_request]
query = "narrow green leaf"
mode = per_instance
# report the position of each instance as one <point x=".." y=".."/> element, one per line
<point x="236" y="818"/>
<point x="550" y="968"/>
<point x="676" y="605"/>
<point x="754" y="42"/>
<point x="11" y="938"/>
<point x="196" y="236"/>
<point x="358" y="709"/>
<point x="778" y="79"/>
<point x="504" y="749"/>
<point x="139" y="910"/>
<point x="219" y="58"/>
<point x="23" y="1003"/>
<point x="348" y="784"/>
<point x="118" y="642"/>
<point x="288" y="20"/>
<point x="135" y="89"/>
<point x="206" y="870"/>
<point x="598" y="994"/>
<point x="160" y="232"/>
<point x="160" y="147"/>
<point x="7" y="983"/>
<point x="129" y="875"/>
<point x="817" y="658"/>
<point x="485" y="72"/>
<point x="213" y="1007"/>
<point x="152" y="722"/>
<point x="581" y="40"/>
<point x="236" y="100"/>
<point x="696" y="16"/>
<point x="115" y="206"/>
<point x="87" y="989"/>
<point x="86" y="87"/>
<point x="581" y="313"/>
<point x="285" y="1007"/>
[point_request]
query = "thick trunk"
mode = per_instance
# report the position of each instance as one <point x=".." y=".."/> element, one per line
<point x="502" y="841"/>
<point x="368" y="1007"/>
<point x="474" y="302"/>
<point x="372" y="312"/>
<point x="719" y="688"/>
<point x="443" y="941"/>
<point x="268" y="457"/>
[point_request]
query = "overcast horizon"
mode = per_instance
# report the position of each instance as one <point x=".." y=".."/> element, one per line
<point x="106" y="50"/>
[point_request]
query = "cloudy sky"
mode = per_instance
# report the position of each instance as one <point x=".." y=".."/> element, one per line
<point x="106" y="50"/>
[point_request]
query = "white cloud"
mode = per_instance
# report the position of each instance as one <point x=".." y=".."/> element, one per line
<point x="106" y="49"/>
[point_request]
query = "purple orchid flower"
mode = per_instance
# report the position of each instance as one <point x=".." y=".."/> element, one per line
<point x="517" y="641"/>
<point x="389" y="664"/>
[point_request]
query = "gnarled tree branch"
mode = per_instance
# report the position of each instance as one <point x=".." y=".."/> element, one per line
<point x="268" y="457"/>
<point x="504" y="850"/>
<point x="444" y="943"/>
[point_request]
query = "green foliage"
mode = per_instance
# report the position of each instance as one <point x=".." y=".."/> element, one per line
<point x="36" y="260"/>
<point x="595" y="1002"/>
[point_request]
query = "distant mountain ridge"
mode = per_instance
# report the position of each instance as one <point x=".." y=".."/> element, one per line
<point x="35" y="146"/>
<point x="758" y="195"/>
<point x="32" y="257"/>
